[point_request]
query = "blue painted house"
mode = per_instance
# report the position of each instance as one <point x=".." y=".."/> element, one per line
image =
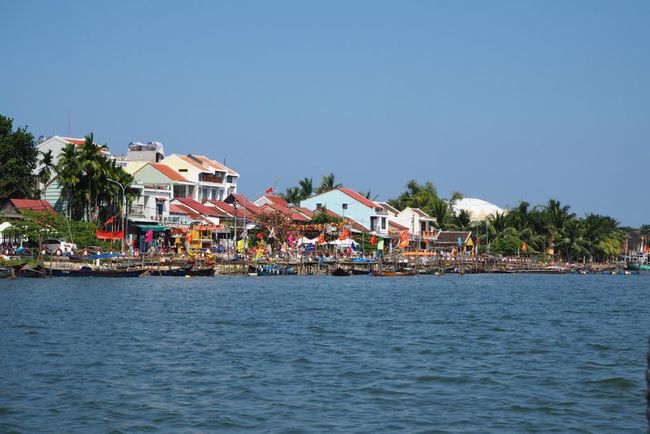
<point x="349" y="203"/>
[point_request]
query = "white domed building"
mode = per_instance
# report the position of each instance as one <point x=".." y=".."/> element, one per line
<point x="478" y="209"/>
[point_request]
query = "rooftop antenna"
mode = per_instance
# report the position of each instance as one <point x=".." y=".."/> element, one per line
<point x="68" y="124"/>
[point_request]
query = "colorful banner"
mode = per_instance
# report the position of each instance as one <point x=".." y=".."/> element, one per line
<point x="108" y="235"/>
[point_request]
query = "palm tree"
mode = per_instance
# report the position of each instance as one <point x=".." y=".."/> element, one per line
<point x="306" y="187"/>
<point x="69" y="174"/>
<point x="555" y="217"/>
<point x="368" y="195"/>
<point x="292" y="195"/>
<point x="440" y="211"/>
<point x="327" y="183"/>
<point x="47" y="166"/>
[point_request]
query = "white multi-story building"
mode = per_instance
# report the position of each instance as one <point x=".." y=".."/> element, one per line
<point x="55" y="144"/>
<point x="211" y="180"/>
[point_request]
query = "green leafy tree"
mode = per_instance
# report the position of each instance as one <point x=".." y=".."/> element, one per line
<point x="18" y="159"/>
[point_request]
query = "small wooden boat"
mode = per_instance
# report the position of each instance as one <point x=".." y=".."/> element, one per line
<point x="32" y="272"/>
<point x="360" y="272"/>
<point x="4" y="272"/>
<point x="340" y="272"/>
<point x="274" y="270"/>
<point x="183" y="271"/>
<point x="393" y="273"/>
<point x="89" y="272"/>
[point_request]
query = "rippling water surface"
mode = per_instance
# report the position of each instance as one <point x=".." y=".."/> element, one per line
<point x="479" y="353"/>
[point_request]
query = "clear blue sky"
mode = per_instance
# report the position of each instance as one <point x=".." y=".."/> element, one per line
<point x="504" y="100"/>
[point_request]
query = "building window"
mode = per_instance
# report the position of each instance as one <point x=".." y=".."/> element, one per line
<point x="182" y="170"/>
<point x="345" y="206"/>
<point x="319" y="206"/>
<point x="383" y="222"/>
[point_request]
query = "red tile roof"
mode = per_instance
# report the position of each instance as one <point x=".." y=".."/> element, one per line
<point x="359" y="198"/>
<point x="355" y="225"/>
<point x="181" y="209"/>
<point x="74" y="141"/>
<point x="289" y="212"/>
<point x="33" y="204"/>
<point x="214" y="164"/>
<point x="169" y="172"/>
<point x="243" y="201"/>
<point x="192" y="162"/>
<point x="396" y="225"/>
<point x="304" y="211"/>
<point x="277" y="200"/>
<point x="199" y="207"/>
<point x="226" y="207"/>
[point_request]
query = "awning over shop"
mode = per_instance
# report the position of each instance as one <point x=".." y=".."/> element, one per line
<point x="155" y="228"/>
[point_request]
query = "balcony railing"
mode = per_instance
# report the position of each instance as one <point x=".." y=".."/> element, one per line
<point x="429" y="234"/>
<point x="206" y="177"/>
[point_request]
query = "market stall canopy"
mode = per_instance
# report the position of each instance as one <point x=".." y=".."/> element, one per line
<point x="155" y="228"/>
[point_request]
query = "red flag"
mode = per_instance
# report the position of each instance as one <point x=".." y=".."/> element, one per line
<point x="109" y="221"/>
<point x="148" y="236"/>
<point x="404" y="239"/>
<point x="373" y="240"/>
<point x="260" y="235"/>
<point x="321" y="239"/>
<point x="269" y="190"/>
<point x="345" y="235"/>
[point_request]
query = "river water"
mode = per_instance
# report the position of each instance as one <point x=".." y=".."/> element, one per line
<point x="477" y="353"/>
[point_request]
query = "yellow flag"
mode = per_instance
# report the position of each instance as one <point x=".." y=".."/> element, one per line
<point x="240" y="245"/>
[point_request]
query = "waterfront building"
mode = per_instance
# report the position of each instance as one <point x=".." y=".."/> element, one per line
<point x="51" y="191"/>
<point x="420" y="225"/>
<point x="459" y="241"/>
<point x="211" y="179"/>
<point x="350" y="204"/>
<point x="155" y="183"/>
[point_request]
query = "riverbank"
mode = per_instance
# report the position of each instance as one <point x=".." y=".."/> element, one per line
<point x="180" y="266"/>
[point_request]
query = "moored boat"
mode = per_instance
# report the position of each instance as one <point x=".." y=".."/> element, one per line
<point x="89" y="272"/>
<point x="393" y="273"/>
<point x="5" y="272"/>
<point x="183" y="271"/>
<point x="340" y="272"/>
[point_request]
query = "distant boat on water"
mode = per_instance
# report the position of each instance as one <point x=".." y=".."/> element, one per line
<point x="89" y="272"/>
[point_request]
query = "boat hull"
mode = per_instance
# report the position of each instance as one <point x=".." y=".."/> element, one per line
<point x="96" y="273"/>
<point x="638" y="267"/>
<point x="393" y="273"/>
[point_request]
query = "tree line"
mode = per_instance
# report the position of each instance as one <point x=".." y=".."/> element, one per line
<point x="82" y="171"/>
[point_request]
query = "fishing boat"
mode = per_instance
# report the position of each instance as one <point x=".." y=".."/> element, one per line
<point x="340" y="272"/>
<point x="32" y="272"/>
<point x="393" y="273"/>
<point x="638" y="262"/>
<point x="89" y="272"/>
<point x="275" y="270"/>
<point x="183" y="271"/>
<point x="5" y="272"/>
<point x="637" y="267"/>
